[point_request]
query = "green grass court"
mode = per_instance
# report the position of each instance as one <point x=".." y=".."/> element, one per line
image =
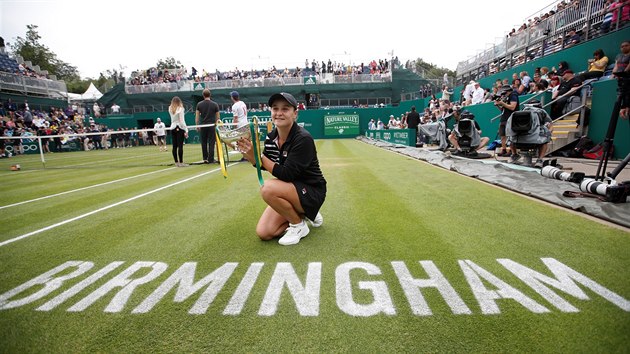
<point x="145" y="257"/>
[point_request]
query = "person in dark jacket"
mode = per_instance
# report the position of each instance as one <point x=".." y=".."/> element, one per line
<point x="298" y="190"/>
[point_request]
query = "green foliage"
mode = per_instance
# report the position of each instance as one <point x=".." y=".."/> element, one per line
<point x="169" y="63"/>
<point x="32" y="50"/>
<point x="428" y="70"/>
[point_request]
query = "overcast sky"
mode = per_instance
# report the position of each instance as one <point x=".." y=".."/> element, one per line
<point x="98" y="35"/>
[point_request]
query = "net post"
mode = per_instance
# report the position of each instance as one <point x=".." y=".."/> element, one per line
<point x="41" y="151"/>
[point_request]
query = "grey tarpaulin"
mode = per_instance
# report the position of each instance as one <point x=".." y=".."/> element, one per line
<point x="436" y="131"/>
<point x="520" y="179"/>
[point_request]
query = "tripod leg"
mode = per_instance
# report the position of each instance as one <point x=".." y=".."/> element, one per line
<point x="619" y="168"/>
<point x="608" y="141"/>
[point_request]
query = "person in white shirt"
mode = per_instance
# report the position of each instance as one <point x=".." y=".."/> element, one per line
<point x="97" y="110"/>
<point x="179" y="130"/>
<point x="392" y="122"/>
<point x="115" y="108"/>
<point x="160" y="134"/>
<point x="468" y="93"/>
<point x="477" y="94"/>
<point x="239" y="109"/>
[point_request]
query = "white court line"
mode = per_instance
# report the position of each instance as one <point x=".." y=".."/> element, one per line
<point x="82" y="188"/>
<point x="105" y="208"/>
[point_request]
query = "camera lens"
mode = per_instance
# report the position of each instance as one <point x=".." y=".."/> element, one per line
<point x="592" y="186"/>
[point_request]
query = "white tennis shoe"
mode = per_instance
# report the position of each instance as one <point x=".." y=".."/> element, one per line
<point x="318" y="221"/>
<point x="294" y="233"/>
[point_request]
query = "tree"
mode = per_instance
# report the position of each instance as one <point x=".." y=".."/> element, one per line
<point x="169" y="63"/>
<point x="428" y="70"/>
<point x="38" y="54"/>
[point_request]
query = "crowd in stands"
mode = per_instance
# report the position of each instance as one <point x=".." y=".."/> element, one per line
<point x="554" y="80"/>
<point x="555" y="30"/>
<point x="312" y="68"/>
<point x="19" y="120"/>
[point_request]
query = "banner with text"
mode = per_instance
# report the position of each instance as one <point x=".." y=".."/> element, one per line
<point x="340" y="125"/>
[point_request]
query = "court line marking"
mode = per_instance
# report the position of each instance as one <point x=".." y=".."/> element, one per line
<point x="82" y="188"/>
<point x="3" y="243"/>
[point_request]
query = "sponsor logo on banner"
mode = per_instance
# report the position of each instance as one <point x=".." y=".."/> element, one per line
<point x="342" y="124"/>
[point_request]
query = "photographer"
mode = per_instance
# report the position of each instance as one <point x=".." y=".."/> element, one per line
<point x="507" y="102"/>
<point x="622" y="72"/>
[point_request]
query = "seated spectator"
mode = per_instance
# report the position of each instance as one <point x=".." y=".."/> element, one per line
<point x="489" y="94"/>
<point x="477" y="94"/>
<point x="572" y="39"/>
<point x="544" y="73"/>
<point x="525" y="78"/>
<point x="568" y="88"/>
<point x="519" y="88"/>
<point x="596" y="66"/>
<point x="562" y="67"/>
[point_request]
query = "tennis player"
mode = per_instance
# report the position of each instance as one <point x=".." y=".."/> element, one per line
<point x="298" y="190"/>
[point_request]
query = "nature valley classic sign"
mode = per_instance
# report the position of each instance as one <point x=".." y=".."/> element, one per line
<point x="342" y="124"/>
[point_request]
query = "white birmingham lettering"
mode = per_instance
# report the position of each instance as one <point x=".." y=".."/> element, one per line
<point x="237" y="302"/>
<point x="411" y="286"/>
<point x="184" y="276"/>
<point x="49" y="282"/>
<point x="486" y="298"/>
<point x="306" y="297"/>
<point x="59" y="299"/>
<point x="382" y="300"/>
<point x="121" y="281"/>
<point x="564" y="282"/>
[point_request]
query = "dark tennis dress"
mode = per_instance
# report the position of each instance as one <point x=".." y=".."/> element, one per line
<point x="297" y="162"/>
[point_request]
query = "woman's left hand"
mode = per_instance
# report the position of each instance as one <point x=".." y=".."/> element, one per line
<point x="186" y="135"/>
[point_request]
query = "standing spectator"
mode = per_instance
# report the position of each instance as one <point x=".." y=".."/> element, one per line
<point x="2" y="49"/>
<point x="446" y="93"/>
<point x="413" y="120"/>
<point x="97" y="110"/>
<point x="239" y="109"/>
<point x="625" y="12"/>
<point x="207" y="113"/>
<point x="468" y="92"/>
<point x="622" y="73"/>
<point x="115" y="108"/>
<point x="160" y="134"/>
<point x="11" y="108"/>
<point x="179" y="130"/>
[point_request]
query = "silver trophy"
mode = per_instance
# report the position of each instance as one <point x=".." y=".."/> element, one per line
<point x="230" y="135"/>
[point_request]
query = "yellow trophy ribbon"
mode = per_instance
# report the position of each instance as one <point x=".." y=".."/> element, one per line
<point x="220" y="149"/>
